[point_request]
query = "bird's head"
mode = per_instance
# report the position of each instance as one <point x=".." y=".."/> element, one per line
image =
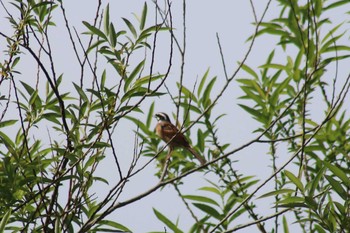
<point x="161" y="116"/>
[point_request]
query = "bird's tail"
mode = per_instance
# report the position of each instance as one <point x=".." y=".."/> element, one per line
<point x="200" y="158"/>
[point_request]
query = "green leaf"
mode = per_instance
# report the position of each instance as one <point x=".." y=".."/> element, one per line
<point x="337" y="172"/>
<point x="106" y="19"/>
<point x="94" y="45"/>
<point x="250" y="71"/>
<point x="191" y="107"/>
<point x="81" y="93"/>
<point x="211" y="189"/>
<point x="294" y="180"/>
<point x="341" y="208"/>
<point x="7" y="123"/>
<point x="150" y="115"/>
<point x="145" y="80"/>
<point x="319" y="229"/>
<point x="312" y="204"/>
<point x="35" y="100"/>
<point x="112" y="36"/>
<point x="201" y="199"/>
<point x="255" y="113"/>
<point x="139" y="124"/>
<point x="316" y="181"/>
<point x="337" y="187"/>
<point x="250" y="94"/>
<point x="292" y="202"/>
<point x="143" y="17"/>
<point x="15" y="62"/>
<point x="95" y="30"/>
<point x="281" y="87"/>
<point x="285" y="224"/>
<point x="330" y="34"/>
<point x="275" y="66"/>
<point x="53" y="117"/>
<point x="206" y="93"/>
<point x="166" y="221"/>
<point x="131" y="27"/>
<point x="133" y="74"/>
<point x="187" y="93"/>
<point x="201" y="140"/>
<point x="277" y="192"/>
<point x="202" y="83"/>
<point x="147" y="32"/>
<point x="337" y="48"/>
<point x="8" y="142"/>
<point x="28" y="88"/>
<point x="336" y="4"/>
<point x="209" y="210"/>
<point x="114" y="225"/>
<point x="4" y="220"/>
<point x="128" y="108"/>
<point x="57" y="225"/>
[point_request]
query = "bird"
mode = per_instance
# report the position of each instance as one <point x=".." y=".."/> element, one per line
<point x="170" y="133"/>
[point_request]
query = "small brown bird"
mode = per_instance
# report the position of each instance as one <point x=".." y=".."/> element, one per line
<point x="166" y="131"/>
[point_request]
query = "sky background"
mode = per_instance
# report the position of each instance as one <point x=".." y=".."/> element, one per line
<point x="232" y="20"/>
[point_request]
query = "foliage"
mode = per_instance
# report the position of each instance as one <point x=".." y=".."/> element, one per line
<point x="56" y="131"/>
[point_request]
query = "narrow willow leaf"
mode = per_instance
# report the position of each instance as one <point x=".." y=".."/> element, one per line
<point x="274" y="66"/>
<point x="250" y="71"/>
<point x="166" y="221"/>
<point x="281" y="87"/>
<point x="4" y="220"/>
<point x="8" y="142"/>
<point x="187" y="93"/>
<point x="81" y="93"/>
<point x="112" y="36"/>
<point x="294" y="180"/>
<point x="94" y="45"/>
<point x="143" y="17"/>
<point x="330" y="34"/>
<point x="255" y="113"/>
<point x="145" y="80"/>
<point x="139" y="124"/>
<point x="95" y="30"/>
<point x="53" y="117"/>
<point x="201" y="199"/>
<point x="150" y="115"/>
<point x="336" y="4"/>
<point x="339" y="173"/>
<point x="337" y="48"/>
<point x="191" y="107"/>
<point x="319" y="229"/>
<point x="7" y="123"/>
<point x="134" y="74"/>
<point x="200" y="140"/>
<point x="341" y="208"/>
<point x="28" y="88"/>
<point x="208" y="210"/>
<point x="292" y="202"/>
<point x="207" y="91"/>
<point x="337" y="187"/>
<point x="131" y="27"/>
<point x="277" y="192"/>
<point x="316" y="181"/>
<point x="106" y="19"/>
<point x="211" y="189"/>
<point x="57" y="225"/>
<point x="285" y="224"/>
<point x="115" y="225"/>
<point x="202" y="83"/>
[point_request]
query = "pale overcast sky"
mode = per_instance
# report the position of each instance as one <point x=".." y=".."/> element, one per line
<point x="232" y="20"/>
